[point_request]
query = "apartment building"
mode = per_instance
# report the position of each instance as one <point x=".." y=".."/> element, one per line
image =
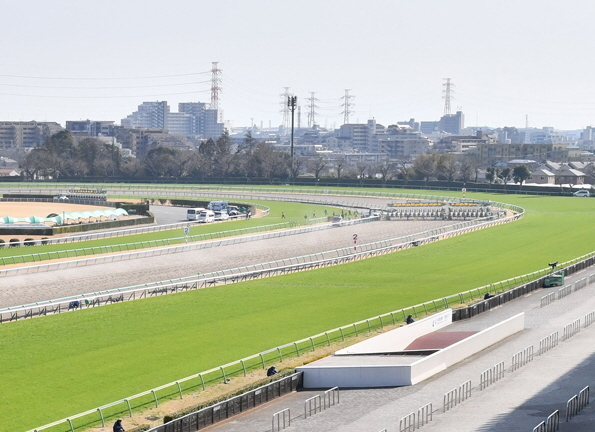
<point x="26" y="134"/>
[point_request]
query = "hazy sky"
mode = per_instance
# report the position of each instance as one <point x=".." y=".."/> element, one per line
<point x="68" y="60"/>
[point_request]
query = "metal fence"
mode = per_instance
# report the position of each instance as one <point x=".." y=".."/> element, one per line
<point x="581" y="283"/>
<point x="521" y="358"/>
<point x="576" y="403"/>
<point x="547" y="299"/>
<point x="491" y="375"/>
<point x="563" y="292"/>
<point x="281" y="419"/>
<point x="456" y="396"/>
<point x="548" y="343"/>
<point x="571" y="329"/>
<point x="210" y="415"/>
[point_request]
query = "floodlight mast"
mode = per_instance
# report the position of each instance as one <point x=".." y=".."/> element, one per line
<point x="292" y="104"/>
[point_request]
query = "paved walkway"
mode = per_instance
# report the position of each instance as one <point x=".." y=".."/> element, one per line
<point x="518" y="402"/>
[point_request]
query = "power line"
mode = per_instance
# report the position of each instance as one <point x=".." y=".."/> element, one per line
<point x="103" y="78"/>
<point x="107" y="97"/>
<point x="103" y="87"/>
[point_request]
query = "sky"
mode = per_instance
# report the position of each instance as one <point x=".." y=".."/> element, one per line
<point x="508" y="60"/>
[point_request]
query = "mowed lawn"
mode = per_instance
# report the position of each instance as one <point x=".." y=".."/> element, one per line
<point x="60" y="365"/>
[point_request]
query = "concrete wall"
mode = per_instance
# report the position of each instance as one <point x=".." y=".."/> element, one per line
<point x="392" y="375"/>
<point x="356" y="376"/>
<point x="397" y="339"/>
<point x="466" y="348"/>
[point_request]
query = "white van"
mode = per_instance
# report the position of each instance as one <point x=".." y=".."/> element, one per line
<point x="217" y="205"/>
<point x="192" y="213"/>
<point x="206" y="216"/>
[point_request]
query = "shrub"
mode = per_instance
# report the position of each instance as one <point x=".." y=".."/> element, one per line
<point x="2" y="243"/>
<point x="44" y="240"/>
<point x="29" y="242"/>
<point x="14" y="242"/>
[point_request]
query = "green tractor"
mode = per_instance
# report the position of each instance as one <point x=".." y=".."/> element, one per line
<point x="554" y="279"/>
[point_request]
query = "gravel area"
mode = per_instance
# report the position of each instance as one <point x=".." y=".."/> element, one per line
<point x="22" y="289"/>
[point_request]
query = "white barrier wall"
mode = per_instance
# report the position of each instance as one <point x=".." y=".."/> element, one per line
<point x="398" y="339"/>
<point x="360" y="371"/>
<point x="465" y="348"/>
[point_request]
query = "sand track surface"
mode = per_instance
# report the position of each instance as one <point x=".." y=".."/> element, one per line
<point x="22" y="289"/>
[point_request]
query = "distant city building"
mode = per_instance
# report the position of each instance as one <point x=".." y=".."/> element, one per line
<point x="462" y="143"/>
<point x="449" y="123"/>
<point x="91" y="127"/>
<point x="400" y="142"/>
<point x="452" y="123"/>
<point x="491" y="153"/>
<point x="194" y="119"/>
<point x="26" y="134"/>
<point x="140" y="141"/>
<point x="150" y="115"/>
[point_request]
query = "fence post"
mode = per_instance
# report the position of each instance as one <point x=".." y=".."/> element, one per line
<point x="103" y="420"/>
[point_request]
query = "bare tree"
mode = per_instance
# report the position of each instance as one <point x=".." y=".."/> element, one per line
<point x="340" y="165"/>
<point x="425" y="166"/>
<point x="448" y="166"/>
<point x="317" y="164"/>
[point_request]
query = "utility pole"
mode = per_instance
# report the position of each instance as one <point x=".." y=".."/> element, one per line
<point x="292" y="105"/>
<point x="347" y="105"/>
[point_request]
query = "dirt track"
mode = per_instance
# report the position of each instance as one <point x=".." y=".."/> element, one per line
<point x="18" y="290"/>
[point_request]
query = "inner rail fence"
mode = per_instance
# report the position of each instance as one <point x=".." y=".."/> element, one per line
<point x="162" y="247"/>
<point x="241" y="367"/>
<point x="279" y="267"/>
<point x="163" y="243"/>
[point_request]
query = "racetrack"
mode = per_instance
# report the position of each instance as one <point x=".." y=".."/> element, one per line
<point x="18" y="290"/>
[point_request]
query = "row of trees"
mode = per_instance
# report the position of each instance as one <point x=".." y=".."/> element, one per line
<point x="59" y="157"/>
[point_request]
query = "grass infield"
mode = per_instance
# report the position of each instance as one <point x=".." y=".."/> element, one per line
<point x="61" y="365"/>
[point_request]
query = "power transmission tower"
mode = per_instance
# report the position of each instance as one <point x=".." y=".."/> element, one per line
<point x="215" y="85"/>
<point x="347" y="105"/>
<point x="312" y="109"/>
<point x="284" y="108"/>
<point x="448" y="91"/>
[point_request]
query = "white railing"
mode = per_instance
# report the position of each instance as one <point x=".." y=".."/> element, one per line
<point x="491" y="375"/>
<point x="571" y="329"/>
<point x="521" y="358"/>
<point x="548" y="299"/>
<point x="548" y="343"/>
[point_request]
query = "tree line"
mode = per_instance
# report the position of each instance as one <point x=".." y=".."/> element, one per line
<point x="60" y="157"/>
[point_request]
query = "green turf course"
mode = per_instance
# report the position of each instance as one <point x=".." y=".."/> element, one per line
<point x="61" y="365"/>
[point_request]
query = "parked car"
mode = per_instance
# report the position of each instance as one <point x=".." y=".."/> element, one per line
<point x="206" y="216"/>
<point x="582" y="193"/>
<point x="336" y="220"/>
<point x="221" y="216"/>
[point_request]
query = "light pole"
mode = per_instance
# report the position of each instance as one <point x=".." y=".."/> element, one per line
<point x="292" y="104"/>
